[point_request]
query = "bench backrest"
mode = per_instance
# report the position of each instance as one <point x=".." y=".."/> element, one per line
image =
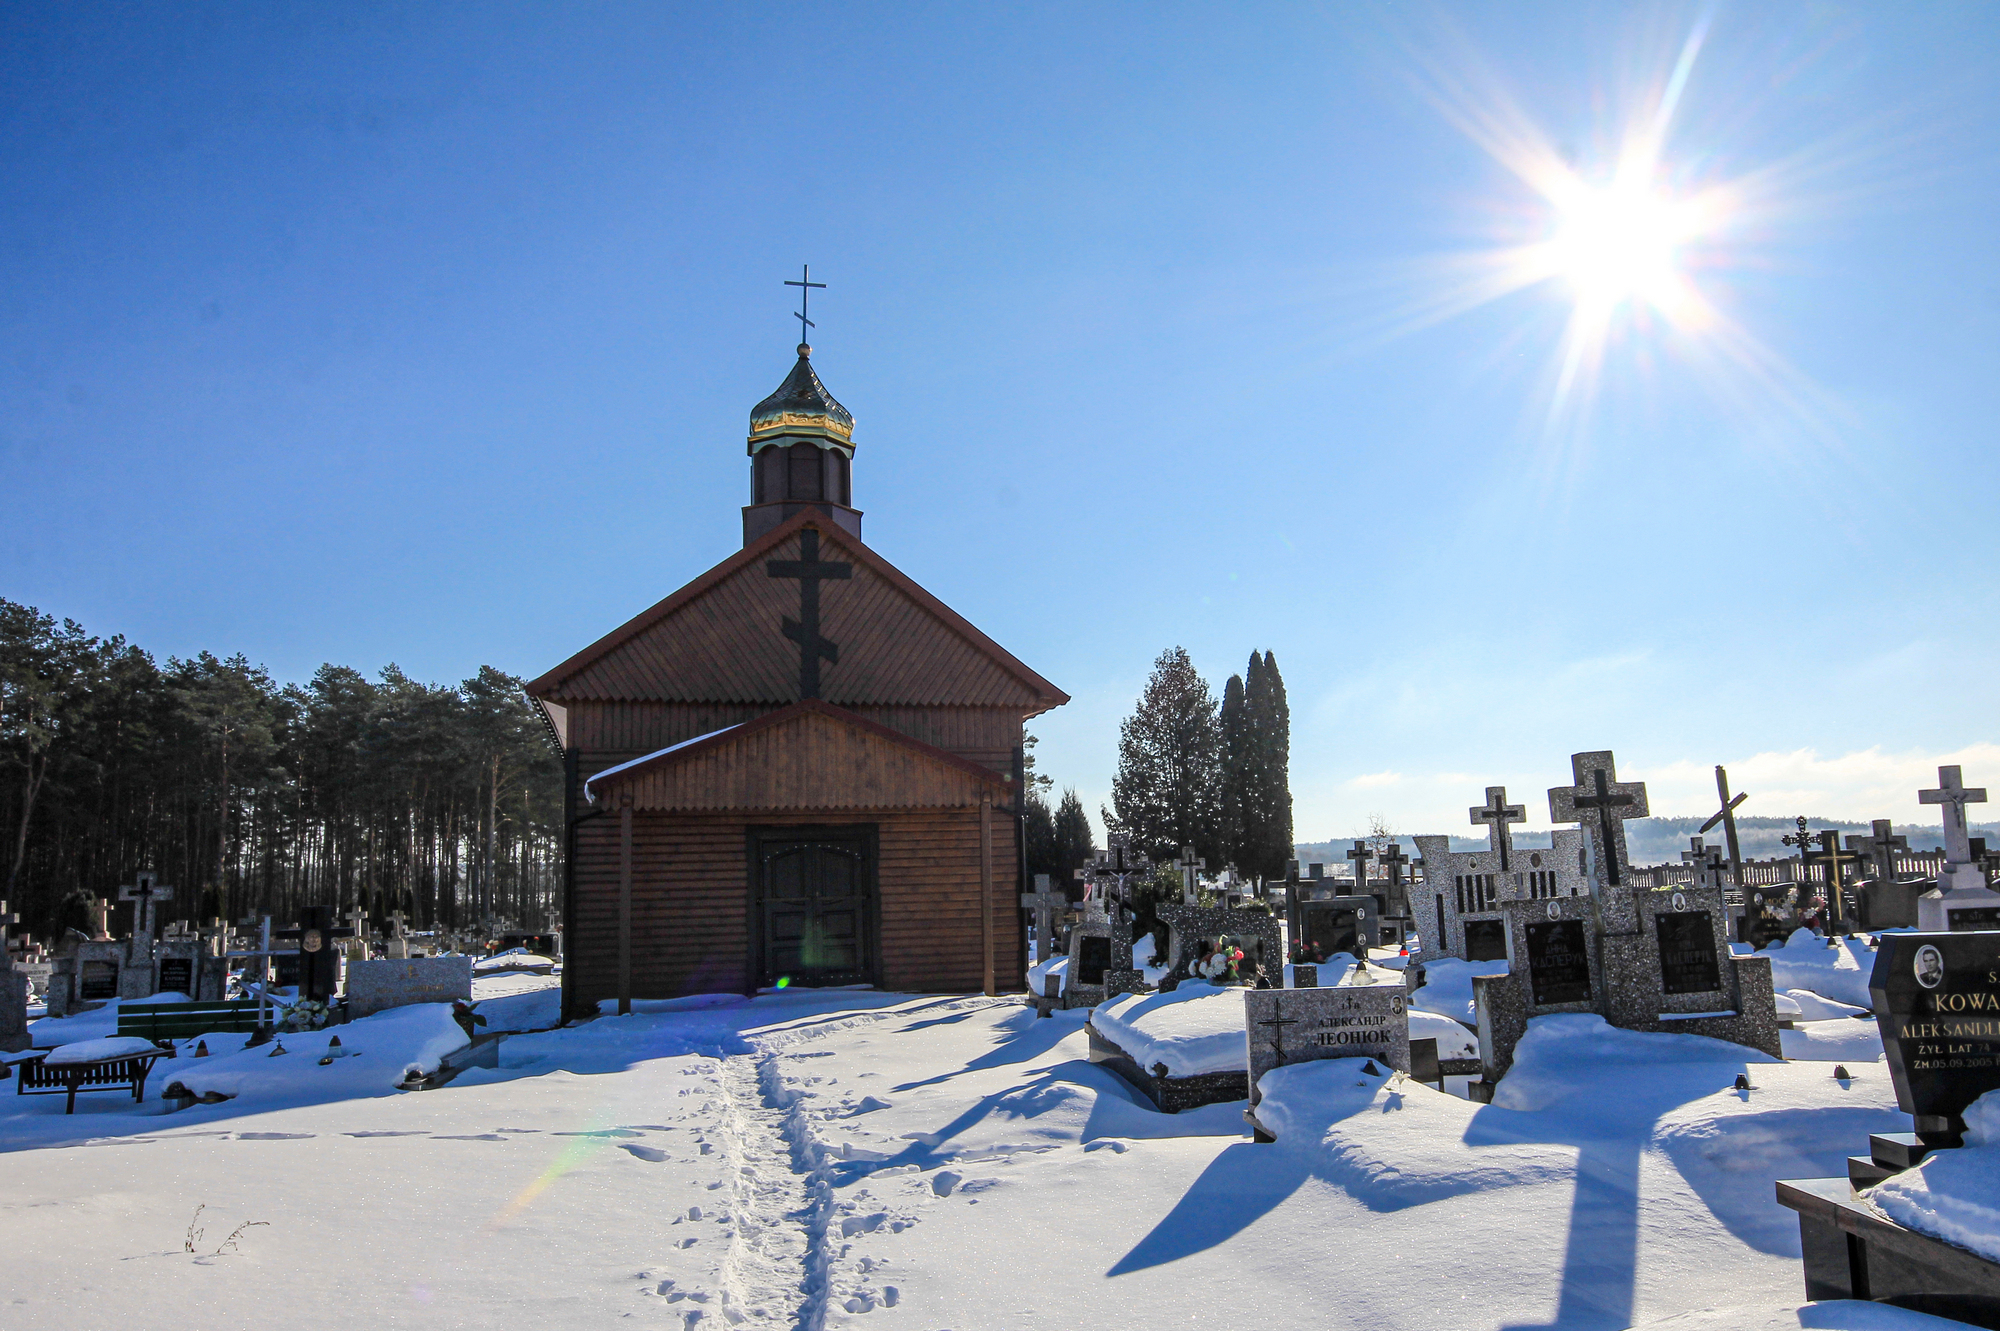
<point x="38" y="1075"/>
<point x="179" y="1021"/>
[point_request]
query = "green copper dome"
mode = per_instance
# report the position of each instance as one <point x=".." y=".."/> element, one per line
<point x="801" y="406"/>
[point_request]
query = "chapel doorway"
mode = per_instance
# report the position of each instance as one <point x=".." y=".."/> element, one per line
<point x="813" y="905"/>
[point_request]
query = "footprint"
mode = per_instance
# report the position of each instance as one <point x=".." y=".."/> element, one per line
<point x="651" y="1153"/>
<point x="383" y="1133"/>
<point x="275" y="1136"/>
<point x="468" y="1137"/>
<point x="945" y="1180"/>
<point x="862" y="1224"/>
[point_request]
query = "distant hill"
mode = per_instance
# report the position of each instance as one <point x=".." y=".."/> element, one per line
<point x="1661" y="840"/>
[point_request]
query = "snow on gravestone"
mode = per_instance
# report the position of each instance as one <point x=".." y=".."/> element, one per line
<point x="1286" y="1026"/>
<point x="1937" y="1003"/>
<point x="373" y="986"/>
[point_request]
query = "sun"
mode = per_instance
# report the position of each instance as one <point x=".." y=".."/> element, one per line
<point x="1619" y="243"/>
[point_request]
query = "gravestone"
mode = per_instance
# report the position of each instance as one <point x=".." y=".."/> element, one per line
<point x="1937" y="1003"/>
<point x="1350" y="924"/>
<point x="1963" y="900"/>
<point x="317" y="962"/>
<point x="1255" y="931"/>
<point x="176" y="976"/>
<point x="1558" y="962"/>
<point x="1688" y="962"/>
<point x="373" y="986"/>
<point x="1286" y="1026"/>
<point x="1092" y="959"/>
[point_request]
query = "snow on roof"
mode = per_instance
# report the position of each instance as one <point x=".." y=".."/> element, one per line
<point x="591" y="795"/>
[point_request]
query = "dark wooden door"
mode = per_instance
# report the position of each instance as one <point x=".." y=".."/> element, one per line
<point x="815" y="906"/>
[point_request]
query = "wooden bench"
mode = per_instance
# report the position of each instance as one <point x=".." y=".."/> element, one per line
<point x="184" y="1021"/>
<point x="104" y="1074"/>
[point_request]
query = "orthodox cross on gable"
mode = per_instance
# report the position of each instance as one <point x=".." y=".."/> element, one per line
<point x="145" y="889"/>
<point x="1497" y="813"/>
<point x="1600" y="798"/>
<point x="806" y="287"/>
<point x="1727" y="817"/>
<point x="809" y="569"/>
<point x="1191" y="867"/>
<point x="1881" y="848"/>
<point x="1361" y="854"/>
<point x="1954" y="796"/>
<point x="1706" y="861"/>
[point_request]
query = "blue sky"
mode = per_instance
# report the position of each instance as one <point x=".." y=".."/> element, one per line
<point x="428" y="334"/>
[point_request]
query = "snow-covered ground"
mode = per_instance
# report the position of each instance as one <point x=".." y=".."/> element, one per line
<point x="851" y="1158"/>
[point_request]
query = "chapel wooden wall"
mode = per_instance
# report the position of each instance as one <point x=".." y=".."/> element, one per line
<point x="691" y="907"/>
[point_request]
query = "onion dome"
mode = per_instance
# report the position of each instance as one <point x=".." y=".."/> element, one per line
<point x="801" y="408"/>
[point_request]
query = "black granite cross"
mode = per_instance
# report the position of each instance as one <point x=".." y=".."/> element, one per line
<point x="1497" y="813"/>
<point x="1727" y="817"/>
<point x="1361" y="854"/>
<point x="809" y="569"/>
<point x="1833" y="857"/>
<point x="1598" y="791"/>
<point x="1278" y="1023"/>
<point x="1393" y="859"/>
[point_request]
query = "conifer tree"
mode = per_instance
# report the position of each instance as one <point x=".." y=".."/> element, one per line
<point x="1168" y="788"/>
<point x="1239" y="771"/>
<point x="1268" y="822"/>
<point x="1073" y="839"/>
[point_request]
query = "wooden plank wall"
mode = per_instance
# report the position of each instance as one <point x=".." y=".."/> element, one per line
<point x="810" y="761"/>
<point x="984" y="735"/>
<point x="690" y="908"/>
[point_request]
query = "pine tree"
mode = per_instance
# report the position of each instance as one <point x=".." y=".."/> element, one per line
<point x="1168" y="788"/>
<point x="1239" y="771"/>
<point x="1040" y="836"/>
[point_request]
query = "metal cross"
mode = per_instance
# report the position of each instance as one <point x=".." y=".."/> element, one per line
<point x="1361" y="854"/>
<point x="1727" y="817"/>
<point x="1954" y="796"/>
<point x="809" y="569"/>
<point x="1598" y="790"/>
<point x="1881" y="848"/>
<point x="1496" y="814"/>
<point x="1278" y="1023"/>
<point x="805" y="285"/>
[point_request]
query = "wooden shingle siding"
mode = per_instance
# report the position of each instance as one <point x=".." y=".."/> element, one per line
<point x="691" y="906"/>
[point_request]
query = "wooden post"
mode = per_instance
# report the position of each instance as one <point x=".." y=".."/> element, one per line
<point x="624" y="904"/>
<point x="986" y="884"/>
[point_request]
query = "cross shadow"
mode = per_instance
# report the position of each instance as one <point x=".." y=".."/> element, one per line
<point x="1242" y="1184"/>
<point x="1022" y="1039"/>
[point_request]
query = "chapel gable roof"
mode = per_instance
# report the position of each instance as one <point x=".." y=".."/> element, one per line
<point x="720" y="639"/>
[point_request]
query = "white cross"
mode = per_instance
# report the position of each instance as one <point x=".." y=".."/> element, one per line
<point x="1954" y="796"/>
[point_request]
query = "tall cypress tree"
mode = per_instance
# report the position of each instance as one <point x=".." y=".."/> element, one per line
<point x="1239" y="771"/>
<point x="1272" y="725"/>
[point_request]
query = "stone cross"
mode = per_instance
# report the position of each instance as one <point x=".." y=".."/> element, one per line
<point x="1954" y="796"/>
<point x="1727" y="817"/>
<point x="215" y="936"/>
<point x="1497" y="813"/>
<point x="8" y="918"/>
<point x="1881" y="848"/>
<point x="1707" y="862"/>
<point x="1600" y="798"/>
<point x="100" y="910"/>
<point x="1361" y="854"/>
<point x="809" y="569"/>
<point x="145" y="889"/>
<point x="1044" y="901"/>
<point x="1191" y="868"/>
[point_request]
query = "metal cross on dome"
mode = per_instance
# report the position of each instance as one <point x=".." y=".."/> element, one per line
<point x="805" y="285"/>
<point x="1497" y="814"/>
<point x="1954" y="796"/>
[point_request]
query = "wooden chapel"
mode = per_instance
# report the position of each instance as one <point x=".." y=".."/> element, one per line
<point x="799" y="769"/>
